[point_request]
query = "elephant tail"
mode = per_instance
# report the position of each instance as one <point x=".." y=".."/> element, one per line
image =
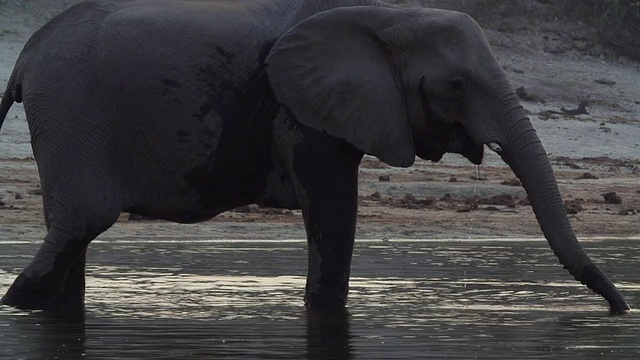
<point x="7" y="100"/>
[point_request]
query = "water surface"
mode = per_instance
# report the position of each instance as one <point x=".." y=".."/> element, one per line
<point x="409" y="300"/>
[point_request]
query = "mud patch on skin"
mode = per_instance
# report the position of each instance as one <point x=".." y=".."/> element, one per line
<point x="171" y="83"/>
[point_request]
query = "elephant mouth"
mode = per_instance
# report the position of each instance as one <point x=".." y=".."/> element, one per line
<point x="441" y="136"/>
<point x="453" y="139"/>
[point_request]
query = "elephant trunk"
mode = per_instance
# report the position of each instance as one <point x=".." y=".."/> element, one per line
<point x="522" y="150"/>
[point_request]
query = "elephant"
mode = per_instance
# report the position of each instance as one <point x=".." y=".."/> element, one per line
<point x="181" y="110"/>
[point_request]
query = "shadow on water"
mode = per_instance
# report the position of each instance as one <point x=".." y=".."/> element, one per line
<point x="409" y="300"/>
<point x="41" y="335"/>
<point x="328" y="335"/>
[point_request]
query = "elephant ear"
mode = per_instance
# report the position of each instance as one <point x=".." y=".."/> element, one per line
<point x="336" y="75"/>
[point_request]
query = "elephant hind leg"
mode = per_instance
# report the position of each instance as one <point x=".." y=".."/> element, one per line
<point x="54" y="280"/>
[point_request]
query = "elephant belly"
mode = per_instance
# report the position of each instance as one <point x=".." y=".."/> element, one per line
<point x="189" y="173"/>
<point x="200" y="195"/>
<point x="192" y="173"/>
<point x="197" y="195"/>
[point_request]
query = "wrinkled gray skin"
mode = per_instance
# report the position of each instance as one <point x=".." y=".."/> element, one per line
<point x="180" y="110"/>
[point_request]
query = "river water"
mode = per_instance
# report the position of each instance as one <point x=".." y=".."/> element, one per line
<point x="413" y="299"/>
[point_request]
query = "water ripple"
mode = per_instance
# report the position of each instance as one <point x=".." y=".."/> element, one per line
<point x="408" y="300"/>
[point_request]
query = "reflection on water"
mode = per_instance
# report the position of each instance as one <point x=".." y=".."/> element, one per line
<point x="409" y="299"/>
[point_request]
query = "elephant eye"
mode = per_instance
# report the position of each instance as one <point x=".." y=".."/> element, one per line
<point x="458" y="85"/>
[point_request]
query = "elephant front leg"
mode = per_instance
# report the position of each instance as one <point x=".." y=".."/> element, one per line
<point x="328" y="193"/>
<point x="330" y="237"/>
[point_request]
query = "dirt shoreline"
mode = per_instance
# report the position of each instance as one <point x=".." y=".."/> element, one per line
<point x="592" y="154"/>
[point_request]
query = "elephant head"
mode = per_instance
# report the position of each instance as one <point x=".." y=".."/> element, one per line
<point x="397" y="83"/>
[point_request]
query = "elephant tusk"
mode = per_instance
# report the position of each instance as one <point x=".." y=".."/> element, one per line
<point x="494" y="146"/>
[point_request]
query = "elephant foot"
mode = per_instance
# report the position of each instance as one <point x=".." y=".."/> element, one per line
<point x="320" y="301"/>
<point x="26" y="294"/>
